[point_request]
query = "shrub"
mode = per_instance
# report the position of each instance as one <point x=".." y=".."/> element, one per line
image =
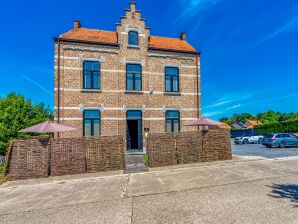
<point x="288" y="126"/>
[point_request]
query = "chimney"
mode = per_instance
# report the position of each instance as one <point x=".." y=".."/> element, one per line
<point x="76" y="24"/>
<point x="132" y="6"/>
<point x="183" y="36"/>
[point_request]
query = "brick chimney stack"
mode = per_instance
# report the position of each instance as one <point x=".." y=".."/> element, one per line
<point x="183" y="36"/>
<point x="76" y="24"/>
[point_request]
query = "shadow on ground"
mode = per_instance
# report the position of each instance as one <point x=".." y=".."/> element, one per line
<point x="289" y="191"/>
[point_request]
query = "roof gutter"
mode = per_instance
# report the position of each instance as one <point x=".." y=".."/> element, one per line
<point x="173" y="50"/>
<point x="85" y="42"/>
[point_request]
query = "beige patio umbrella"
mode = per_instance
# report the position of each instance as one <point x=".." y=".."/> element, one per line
<point x="47" y="127"/>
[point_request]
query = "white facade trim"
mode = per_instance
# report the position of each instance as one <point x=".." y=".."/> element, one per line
<point x="73" y="48"/>
<point x="121" y="119"/>
<point x="100" y="59"/>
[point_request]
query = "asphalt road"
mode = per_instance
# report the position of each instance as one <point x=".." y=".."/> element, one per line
<point x="239" y="191"/>
<point x="261" y="151"/>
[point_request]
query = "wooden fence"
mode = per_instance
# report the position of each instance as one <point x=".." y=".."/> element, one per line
<point x="35" y="158"/>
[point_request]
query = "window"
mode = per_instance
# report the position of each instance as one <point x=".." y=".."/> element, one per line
<point x="172" y="121"/>
<point x="91" y="123"/>
<point x="133" y="38"/>
<point x="133" y="77"/>
<point x="91" y="75"/>
<point x="172" y="79"/>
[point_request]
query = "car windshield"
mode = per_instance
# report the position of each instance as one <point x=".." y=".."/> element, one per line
<point x="269" y="136"/>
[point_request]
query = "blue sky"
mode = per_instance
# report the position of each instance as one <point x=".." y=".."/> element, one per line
<point x="249" y="49"/>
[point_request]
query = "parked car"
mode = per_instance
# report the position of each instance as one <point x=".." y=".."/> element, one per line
<point x="249" y="139"/>
<point x="281" y="140"/>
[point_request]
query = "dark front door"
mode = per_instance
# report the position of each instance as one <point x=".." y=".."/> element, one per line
<point x="134" y="131"/>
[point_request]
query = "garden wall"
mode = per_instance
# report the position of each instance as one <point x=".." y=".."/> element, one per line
<point x="188" y="147"/>
<point x="35" y="158"/>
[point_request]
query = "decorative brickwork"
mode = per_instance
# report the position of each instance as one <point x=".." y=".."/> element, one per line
<point x="29" y="159"/>
<point x="112" y="99"/>
<point x="105" y="153"/>
<point x="188" y="147"/>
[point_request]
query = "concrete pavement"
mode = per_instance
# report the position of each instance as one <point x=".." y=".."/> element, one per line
<point x="241" y="191"/>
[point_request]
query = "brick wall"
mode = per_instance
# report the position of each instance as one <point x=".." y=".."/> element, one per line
<point x="113" y="96"/>
<point x="188" y="147"/>
<point x="36" y="158"/>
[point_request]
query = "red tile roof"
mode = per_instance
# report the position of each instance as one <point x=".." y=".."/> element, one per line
<point x="170" y="44"/>
<point x="98" y="36"/>
<point x="108" y="37"/>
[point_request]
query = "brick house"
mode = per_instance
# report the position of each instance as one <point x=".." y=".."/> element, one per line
<point x="125" y="82"/>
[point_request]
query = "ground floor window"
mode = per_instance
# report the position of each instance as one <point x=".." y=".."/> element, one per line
<point x="91" y="123"/>
<point x="172" y="121"/>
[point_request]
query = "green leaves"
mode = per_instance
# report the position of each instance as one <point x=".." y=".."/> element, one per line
<point x="16" y="113"/>
<point x="268" y="117"/>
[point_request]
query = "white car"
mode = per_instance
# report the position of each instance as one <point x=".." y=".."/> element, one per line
<point x="249" y="139"/>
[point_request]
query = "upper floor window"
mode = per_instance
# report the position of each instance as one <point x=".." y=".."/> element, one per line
<point x="172" y="121"/>
<point x="133" y="77"/>
<point x="133" y="38"/>
<point x="91" y="123"/>
<point x="91" y="73"/>
<point x="172" y="79"/>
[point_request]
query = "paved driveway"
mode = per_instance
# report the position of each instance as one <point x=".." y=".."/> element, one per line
<point x="262" y="151"/>
<point x="239" y="191"/>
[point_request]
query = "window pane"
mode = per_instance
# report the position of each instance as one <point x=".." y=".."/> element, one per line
<point x="87" y="124"/>
<point x="138" y="81"/>
<point x="95" y="66"/>
<point x="168" y="126"/>
<point x="175" y="84"/>
<point x="176" y="125"/>
<point x="96" y="127"/>
<point x="88" y="65"/>
<point x="136" y="114"/>
<point x="96" y="80"/>
<point x="129" y="82"/>
<point x="171" y="71"/>
<point x="92" y="114"/>
<point x="135" y="68"/>
<point x="87" y="80"/>
<point x="168" y="84"/>
<point x="172" y="114"/>
<point x="133" y="38"/>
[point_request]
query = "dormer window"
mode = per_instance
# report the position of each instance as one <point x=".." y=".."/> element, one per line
<point x="133" y="38"/>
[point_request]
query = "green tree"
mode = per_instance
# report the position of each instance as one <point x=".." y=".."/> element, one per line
<point x="17" y="113"/>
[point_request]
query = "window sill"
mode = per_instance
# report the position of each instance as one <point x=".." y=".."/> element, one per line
<point x="133" y="92"/>
<point x="172" y="93"/>
<point x="91" y="91"/>
<point x="133" y="46"/>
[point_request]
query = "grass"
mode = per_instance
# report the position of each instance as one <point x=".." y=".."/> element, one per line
<point x="145" y="157"/>
<point x="2" y="178"/>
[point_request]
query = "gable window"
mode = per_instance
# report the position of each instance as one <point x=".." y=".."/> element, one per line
<point x="172" y="121"/>
<point x="133" y="77"/>
<point x="172" y="79"/>
<point x="91" y="75"/>
<point x="91" y="123"/>
<point x="133" y="38"/>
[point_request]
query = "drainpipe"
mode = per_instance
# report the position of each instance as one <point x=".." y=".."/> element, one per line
<point x="197" y="77"/>
<point x="58" y="85"/>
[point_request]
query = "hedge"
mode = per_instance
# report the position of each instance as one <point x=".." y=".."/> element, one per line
<point x="288" y="126"/>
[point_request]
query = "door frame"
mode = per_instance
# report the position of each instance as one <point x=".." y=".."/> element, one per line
<point x="139" y="119"/>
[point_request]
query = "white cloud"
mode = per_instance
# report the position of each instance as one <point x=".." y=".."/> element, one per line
<point x="38" y="85"/>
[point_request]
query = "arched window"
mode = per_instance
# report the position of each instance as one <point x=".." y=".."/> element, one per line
<point x="133" y="38"/>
